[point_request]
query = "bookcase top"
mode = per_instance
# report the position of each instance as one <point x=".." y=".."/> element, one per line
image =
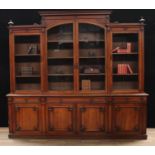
<point x="74" y="12"/>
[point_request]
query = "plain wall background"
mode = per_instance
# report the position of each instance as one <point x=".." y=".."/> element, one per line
<point x="21" y="17"/>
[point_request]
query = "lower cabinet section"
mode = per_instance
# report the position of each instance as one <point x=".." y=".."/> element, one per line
<point x="127" y="118"/>
<point x="116" y="118"/>
<point x="60" y="118"/>
<point x="92" y="119"/>
<point x="27" y="119"/>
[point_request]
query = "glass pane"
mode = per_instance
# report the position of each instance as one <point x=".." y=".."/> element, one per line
<point x="27" y="62"/>
<point x="60" y="57"/>
<point x="91" y="57"/>
<point x="125" y="61"/>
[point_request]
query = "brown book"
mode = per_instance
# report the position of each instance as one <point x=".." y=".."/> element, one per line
<point x="86" y="85"/>
<point x="128" y="47"/>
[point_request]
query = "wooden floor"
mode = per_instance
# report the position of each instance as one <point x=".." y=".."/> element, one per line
<point x="5" y="141"/>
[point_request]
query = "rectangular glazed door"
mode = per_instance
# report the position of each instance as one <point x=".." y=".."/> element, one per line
<point x="27" y="118"/>
<point x="60" y="118"/>
<point x="126" y="56"/>
<point x="127" y="119"/>
<point x="92" y="119"/>
<point x="27" y="53"/>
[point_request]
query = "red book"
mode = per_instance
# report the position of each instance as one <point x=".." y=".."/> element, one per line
<point x="124" y="69"/>
<point x="122" y="51"/>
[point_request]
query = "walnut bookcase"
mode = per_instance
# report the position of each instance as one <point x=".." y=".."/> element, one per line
<point x="77" y="75"/>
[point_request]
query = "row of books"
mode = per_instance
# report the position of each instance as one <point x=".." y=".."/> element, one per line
<point x="124" y="69"/>
<point x="123" y="50"/>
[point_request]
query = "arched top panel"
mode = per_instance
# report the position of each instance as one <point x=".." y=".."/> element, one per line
<point x="93" y="24"/>
<point x="61" y="32"/>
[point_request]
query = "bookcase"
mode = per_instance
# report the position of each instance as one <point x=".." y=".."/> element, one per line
<point x="77" y="75"/>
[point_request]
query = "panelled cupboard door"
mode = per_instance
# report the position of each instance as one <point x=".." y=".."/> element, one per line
<point x="27" y="118"/>
<point x="60" y="118"/>
<point x="92" y="119"/>
<point x="127" y="119"/>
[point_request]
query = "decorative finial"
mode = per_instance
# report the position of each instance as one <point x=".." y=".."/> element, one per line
<point x="142" y="19"/>
<point x="10" y="22"/>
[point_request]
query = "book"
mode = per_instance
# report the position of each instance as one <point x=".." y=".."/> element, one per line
<point x="124" y="69"/>
<point x="86" y="84"/>
<point x="129" y="69"/>
<point x="115" y="49"/>
<point x="129" y="47"/>
<point x="26" y="70"/>
<point x="123" y="50"/>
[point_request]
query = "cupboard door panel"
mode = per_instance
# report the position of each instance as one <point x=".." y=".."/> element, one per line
<point x="92" y="118"/>
<point x="60" y="118"/>
<point x="126" y="119"/>
<point x="27" y="118"/>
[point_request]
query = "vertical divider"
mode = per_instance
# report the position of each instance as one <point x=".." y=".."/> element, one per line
<point x="12" y="62"/>
<point x="110" y="61"/>
<point x="44" y="61"/>
<point x="141" y="60"/>
<point x="76" y="55"/>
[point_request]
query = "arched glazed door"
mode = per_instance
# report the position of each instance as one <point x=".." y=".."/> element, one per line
<point x="91" y="57"/>
<point x="60" y="58"/>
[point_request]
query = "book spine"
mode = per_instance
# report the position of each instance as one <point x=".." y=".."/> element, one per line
<point x="119" y="69"/>
<point x="122" y="51"/>
<point x="128" y="47"/>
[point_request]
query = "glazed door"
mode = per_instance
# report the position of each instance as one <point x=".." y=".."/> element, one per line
<point x="92" y="119"/>
<point x="27" y="65"/>
<point x="127" y="65"/>
<point x="60" y="118"/>
<point x="60" y="58"/>
<point x="91" y="58"/>
<point x="27" y="119"/>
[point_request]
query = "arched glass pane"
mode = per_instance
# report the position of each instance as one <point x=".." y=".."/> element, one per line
<point x="60" y="58"/>
<point x="91" y="57"/>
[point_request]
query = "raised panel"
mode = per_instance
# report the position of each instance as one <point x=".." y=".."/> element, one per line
<point x="33" y="100"/>
<point x="126" y="119"/>
<point x="19" y="100"/>
<point x="60" y="118"/>
<point x="92" y="118"/>
<point x="27" y="118"/>
<point x="53" y="100"/>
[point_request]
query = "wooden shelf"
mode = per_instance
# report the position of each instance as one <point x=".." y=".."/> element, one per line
<point x="60" y="75"/>
<point x="60" y="57"/>
<point x="60" y="42"/>
<point x="134" y="74"/>
<point x="28" y="76"/>
<point x="94" y="57"/>
<point x="92" y="74"/>
<point x="132" y="53"/>
<point x="87" y="41"/>
<point x="27" y="55"/>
